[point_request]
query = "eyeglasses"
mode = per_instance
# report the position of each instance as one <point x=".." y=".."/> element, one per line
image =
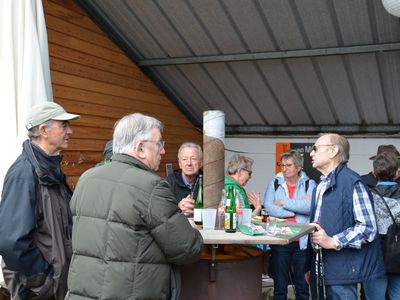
<point x="160" y="144"/>
<point x="315" y="147"/>
<point x="285" y="165"/>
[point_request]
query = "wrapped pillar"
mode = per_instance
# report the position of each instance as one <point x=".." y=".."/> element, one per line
<point x="213" y="156"/>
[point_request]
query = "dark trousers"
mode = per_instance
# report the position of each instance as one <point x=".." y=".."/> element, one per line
<point x="283" y="259"/>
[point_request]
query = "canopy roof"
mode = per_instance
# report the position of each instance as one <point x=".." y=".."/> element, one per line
<point x="273" y="66"/>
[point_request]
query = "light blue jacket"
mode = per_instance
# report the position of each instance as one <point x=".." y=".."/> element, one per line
<point x="299" y="206"/>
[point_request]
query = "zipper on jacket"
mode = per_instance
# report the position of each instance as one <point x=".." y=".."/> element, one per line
<point x="65" y="227"/>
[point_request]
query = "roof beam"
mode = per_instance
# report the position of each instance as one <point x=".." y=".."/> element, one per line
<point x="301" y="130"/>
<point x="270" y="55"/>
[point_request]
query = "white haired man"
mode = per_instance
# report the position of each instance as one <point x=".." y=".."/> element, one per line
<point x="183" y="180"/>
<point x="128" y="231"/>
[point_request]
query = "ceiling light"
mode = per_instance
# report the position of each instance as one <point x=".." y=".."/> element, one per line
<point x="392" y="6"/>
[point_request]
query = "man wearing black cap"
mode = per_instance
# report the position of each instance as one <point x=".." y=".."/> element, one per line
<point x="369" y="179"/>
<point x="35" y="227"/>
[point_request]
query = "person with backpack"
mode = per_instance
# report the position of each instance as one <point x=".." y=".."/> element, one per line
<point x="288" y="196"/>
<point x="386" y="199"/>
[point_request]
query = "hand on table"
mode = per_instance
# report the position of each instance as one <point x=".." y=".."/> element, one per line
<point x="186" y="205"/>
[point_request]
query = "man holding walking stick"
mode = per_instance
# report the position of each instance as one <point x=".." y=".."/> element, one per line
<point x="343" y="248"/>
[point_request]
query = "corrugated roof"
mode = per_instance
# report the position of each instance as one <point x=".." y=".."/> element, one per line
<point x="273" y="66"/>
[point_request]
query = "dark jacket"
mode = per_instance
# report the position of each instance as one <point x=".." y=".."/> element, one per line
<point x="369" y="180"/>
<point x="35" y="225"/>
<point x="348" y="265"/>
<point x="128" y="235"/>
<point x="178" y="187"/>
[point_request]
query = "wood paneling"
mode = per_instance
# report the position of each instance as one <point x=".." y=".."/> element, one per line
<point x="65" y="40"/>
<point x="80" y="82"/>
<point x="58" y="51"/>
<point x="91" y="76"/>
<point x="69" y="67"/>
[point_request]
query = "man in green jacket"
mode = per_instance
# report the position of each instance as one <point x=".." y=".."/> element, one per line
<point x="129" y="233"/>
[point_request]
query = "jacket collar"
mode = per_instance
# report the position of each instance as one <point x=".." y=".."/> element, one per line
<point x="179" y="178"/>
<point x="390" y="191"/>
<point x="130" y="160"/>
<point x="334" y="173"/>
<point x="43" y="173"/>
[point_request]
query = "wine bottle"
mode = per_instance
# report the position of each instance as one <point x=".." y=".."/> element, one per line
<point x="198" y="203"/>
<point x="230" y="211"/>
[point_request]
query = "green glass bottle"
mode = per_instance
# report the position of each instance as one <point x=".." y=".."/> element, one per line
<point x="230" y="211"/>
<point x="198" y="203"/>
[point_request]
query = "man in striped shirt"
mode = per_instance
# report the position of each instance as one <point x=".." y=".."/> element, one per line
<point x="344" y="247"/>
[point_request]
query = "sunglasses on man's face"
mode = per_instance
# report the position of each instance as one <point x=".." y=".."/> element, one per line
<point x="315" y="147"/>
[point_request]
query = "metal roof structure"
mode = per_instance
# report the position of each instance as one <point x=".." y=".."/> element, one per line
<point x="273" y="66"/>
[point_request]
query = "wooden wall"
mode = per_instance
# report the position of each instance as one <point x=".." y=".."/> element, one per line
<point x="92" y="77"/>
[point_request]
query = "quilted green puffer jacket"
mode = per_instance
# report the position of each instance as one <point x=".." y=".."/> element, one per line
<point x="128" y="234"/>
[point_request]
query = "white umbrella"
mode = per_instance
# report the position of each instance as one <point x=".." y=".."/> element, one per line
<point x="24" y="72"/>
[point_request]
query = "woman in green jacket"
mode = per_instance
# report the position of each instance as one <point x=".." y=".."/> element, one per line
<point x="238" y="174"/>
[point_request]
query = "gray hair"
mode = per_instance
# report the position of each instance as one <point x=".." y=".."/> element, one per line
<point x="191" y="145"/>
<point x="131" y="129"/>
<point x="343" y="146"/>
<point x="34" y="134"/>
<point x="239" y="162"/>
<point x="296" y="155"/>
